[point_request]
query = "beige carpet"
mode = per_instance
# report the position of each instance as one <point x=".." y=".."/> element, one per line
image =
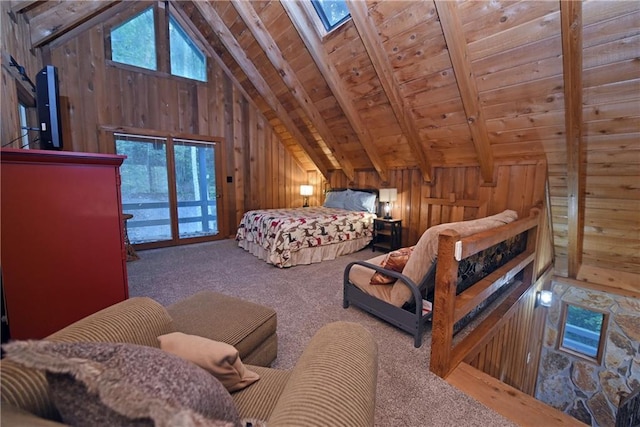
<point x="306" y="298"/>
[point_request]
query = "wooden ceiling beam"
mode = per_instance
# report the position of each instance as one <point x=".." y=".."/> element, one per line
<point x="288" y="75"/>
<point x="63" y="17"/>
<point x="571" y="30"/>
<point x="466" y="80"/>
<point x="226" y="37"/>
<point x="18" y="6"/>
<point x="313" y="43"/>
<point x="184" y="19"/>
<point x="371" y="40"/>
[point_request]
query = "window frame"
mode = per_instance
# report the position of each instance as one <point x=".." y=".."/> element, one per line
<point x="195" y="37"/>
<point x="170" y="138"/>
<point x="27" y="111"/>
<point x="136" y="11"/>
<point x="601" y="340"/>
<point x="316" y="21"/>
<point x="162" y="11"/>
<point x="320" y="12"/>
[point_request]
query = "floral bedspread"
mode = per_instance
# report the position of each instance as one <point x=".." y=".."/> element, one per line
<point x="283" y="231"/>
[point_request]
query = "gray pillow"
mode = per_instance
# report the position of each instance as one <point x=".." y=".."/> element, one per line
<point x="335" y="199"/>
<point x="104" y="384"/>
<point x="360" y="201"/>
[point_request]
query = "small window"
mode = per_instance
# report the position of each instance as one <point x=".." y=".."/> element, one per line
<point x="186" y="59"/>
<point x="332" y="13"/>
<point x="29" y="128"/>
<point x="134" y="41"/>
<point x="24" y="125"/>
<point x="583" y="332"/>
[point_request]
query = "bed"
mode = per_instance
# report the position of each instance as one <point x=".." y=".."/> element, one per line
<point x="399" y="287"/>
<point x="289" y="237"/>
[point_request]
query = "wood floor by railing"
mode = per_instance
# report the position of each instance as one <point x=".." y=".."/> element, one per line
<point x="513" y="404"/>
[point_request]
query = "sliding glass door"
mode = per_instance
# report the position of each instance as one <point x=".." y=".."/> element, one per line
<point x="196" y="188"/>
<point x="169" y="185"/>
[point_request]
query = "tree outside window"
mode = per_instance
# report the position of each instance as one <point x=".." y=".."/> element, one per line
<point x="583" y="331"/>
<point x="134" y="41"/>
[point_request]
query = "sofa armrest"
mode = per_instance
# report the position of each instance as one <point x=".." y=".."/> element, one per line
<point x="137" y="320"/>
<point x="334" y="381"/>
<point x="12" y="416"/>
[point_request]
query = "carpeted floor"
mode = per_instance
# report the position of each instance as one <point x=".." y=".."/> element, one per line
<point x="306" y="298"/>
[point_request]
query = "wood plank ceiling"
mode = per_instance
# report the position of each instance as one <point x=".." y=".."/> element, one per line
<point x="401" y="85"/>
<point x="425" y="84"/>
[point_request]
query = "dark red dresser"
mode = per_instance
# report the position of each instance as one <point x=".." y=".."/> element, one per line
<point x="62" y="248"/>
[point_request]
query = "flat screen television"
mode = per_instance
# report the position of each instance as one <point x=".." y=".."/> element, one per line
<point x="48" y="106"/>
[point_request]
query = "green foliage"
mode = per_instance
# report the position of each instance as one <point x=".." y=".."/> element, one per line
<point x="144" y="172"/>
<point x="134" y="41"/>
<point x="186" y="59"/>
<point x="584" y="318"/>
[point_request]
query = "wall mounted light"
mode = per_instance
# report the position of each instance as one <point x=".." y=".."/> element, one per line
<point x="388" y="196"/>
<point x="544" y="298"/>
<point x="305" y="192"/>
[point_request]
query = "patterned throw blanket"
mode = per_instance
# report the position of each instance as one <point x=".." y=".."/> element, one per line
<point x="283" y="231"/>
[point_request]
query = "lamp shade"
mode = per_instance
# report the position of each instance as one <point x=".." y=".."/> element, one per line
<point x="388" y="194"/>
<point x="306" y="190"/>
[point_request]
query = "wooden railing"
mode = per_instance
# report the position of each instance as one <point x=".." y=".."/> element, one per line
<point x="449" y="308"/>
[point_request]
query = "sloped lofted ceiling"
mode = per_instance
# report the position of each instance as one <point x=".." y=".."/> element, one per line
<point x="401" y="85"/>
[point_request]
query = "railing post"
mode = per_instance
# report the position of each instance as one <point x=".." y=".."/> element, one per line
<point x="530" y="273"/>
<point x="444" y="304"/>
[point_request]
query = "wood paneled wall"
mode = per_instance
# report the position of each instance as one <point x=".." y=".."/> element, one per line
<point x="519" y="186"/>
<point x="15" y="37"/>
<point x="97" y="92"/>
<point x="513" y="354"/>
<point x="611" y="148"/>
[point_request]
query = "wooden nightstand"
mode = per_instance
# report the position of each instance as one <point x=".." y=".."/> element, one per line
<point x="387" y="234"/>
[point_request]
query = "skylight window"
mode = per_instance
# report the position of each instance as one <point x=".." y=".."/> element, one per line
<point x="332" y="13"/>
<point x="186" y="59"/>
<point x="134" y="41"/>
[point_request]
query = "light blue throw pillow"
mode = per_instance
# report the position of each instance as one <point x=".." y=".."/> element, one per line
<point x="360" y="201"/>
<point x="335" y="199"/>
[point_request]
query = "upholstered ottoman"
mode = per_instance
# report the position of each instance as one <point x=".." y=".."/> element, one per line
<point x="249" y="327"/>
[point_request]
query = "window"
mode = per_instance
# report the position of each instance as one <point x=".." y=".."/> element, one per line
<point x="583" y="332"/>
<point x="28" y="116"/>
<point x="134" y="41"/>
<point x="24" y="125"/>
<point x="169" y="185"/>
<point x="332" y="13"/>
<point x="186" y="59"/>
<point x="196" y="188"/>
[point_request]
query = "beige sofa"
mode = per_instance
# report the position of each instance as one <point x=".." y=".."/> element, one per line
<point x="333" y="382"/>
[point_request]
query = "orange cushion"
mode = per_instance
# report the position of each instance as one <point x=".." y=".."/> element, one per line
<point x="394" y="261"/>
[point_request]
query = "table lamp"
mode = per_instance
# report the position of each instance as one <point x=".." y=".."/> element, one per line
<point x="305" y="192"/>
<point x="387" y="196"/>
